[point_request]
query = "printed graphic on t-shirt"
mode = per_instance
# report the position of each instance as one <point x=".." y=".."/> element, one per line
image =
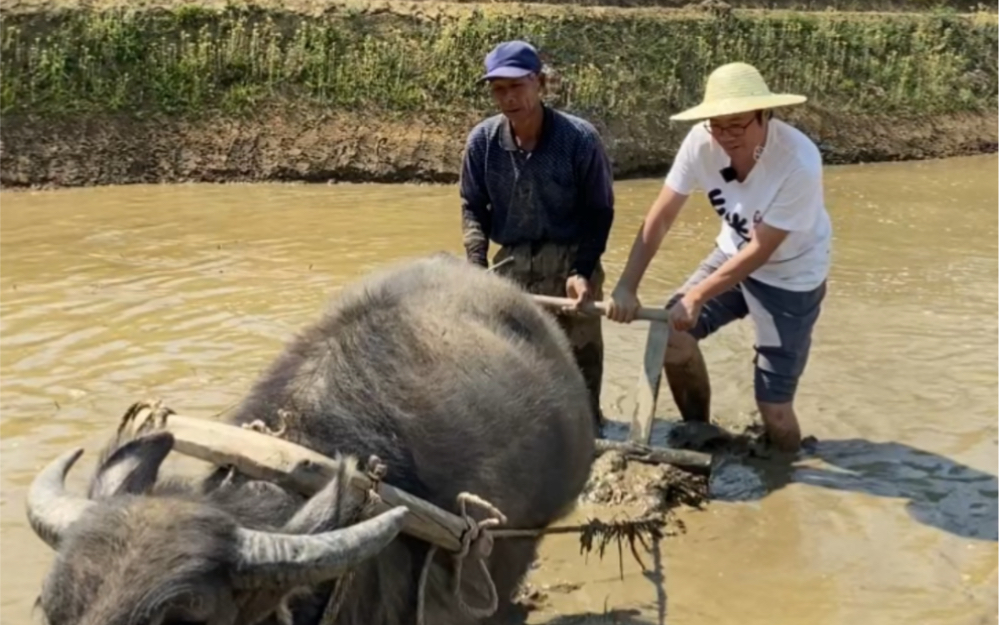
<point x="784" y="188"/>
<point x="735" y="221"/>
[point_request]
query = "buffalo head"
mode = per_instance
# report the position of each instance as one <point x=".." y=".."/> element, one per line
<point x="139" y="553"/>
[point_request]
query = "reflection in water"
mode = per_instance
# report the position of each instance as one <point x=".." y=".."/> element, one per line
<point x="185" y="292"/>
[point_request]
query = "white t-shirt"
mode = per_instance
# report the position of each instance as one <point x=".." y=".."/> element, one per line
<point x="784" y="189"/>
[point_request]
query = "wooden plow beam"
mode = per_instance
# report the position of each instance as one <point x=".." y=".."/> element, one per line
<point x="262" y="456"/>
<point x="650" y="375"/>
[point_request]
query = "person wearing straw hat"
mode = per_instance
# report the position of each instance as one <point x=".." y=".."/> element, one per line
<point x="537" y="181"/>
<point x="763" y="178"/>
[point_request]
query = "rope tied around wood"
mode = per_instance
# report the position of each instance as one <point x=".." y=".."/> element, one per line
<point x="479" y="537"/>
<point x="476" y="540"/>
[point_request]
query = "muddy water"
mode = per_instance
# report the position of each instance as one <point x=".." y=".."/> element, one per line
<point x="110" y="295"/>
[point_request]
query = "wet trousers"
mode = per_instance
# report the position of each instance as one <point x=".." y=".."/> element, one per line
<point x="542" y="269"/>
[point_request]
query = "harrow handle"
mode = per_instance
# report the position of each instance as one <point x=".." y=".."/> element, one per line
<point x="600" y="308"/>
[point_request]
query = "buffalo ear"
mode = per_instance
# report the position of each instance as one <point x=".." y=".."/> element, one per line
<point x="131" y="468"/>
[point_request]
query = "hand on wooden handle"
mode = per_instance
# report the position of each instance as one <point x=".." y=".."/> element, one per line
<point x="599" y="308"/>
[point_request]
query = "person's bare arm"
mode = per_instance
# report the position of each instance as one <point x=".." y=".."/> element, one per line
<point x="796" y="206"/>
<point x="680" y="182"/>
<point x="765" y="240"/>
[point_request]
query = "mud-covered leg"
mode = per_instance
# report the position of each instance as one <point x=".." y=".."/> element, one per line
<point x="684" y="365"/>
<point x="687" y="376"/>
<point x="585" y="334"/>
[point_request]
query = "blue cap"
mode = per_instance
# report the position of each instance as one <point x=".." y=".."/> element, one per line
<point x="512" y="59"/>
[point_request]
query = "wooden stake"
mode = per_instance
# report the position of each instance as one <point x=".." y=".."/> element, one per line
<point x="693" y="461"/>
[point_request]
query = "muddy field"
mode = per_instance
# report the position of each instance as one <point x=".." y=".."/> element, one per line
<point x="625" y="489"/>
<point x="115" y="293"/>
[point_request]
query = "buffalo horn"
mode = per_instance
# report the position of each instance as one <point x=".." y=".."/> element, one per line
<point x="51" y="511"/>
<point x="272" y="559"/>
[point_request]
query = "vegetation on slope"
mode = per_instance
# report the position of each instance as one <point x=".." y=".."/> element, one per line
<point x="189" y="60"/>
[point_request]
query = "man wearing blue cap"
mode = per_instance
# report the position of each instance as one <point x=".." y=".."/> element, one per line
<point x="538" y="183"/>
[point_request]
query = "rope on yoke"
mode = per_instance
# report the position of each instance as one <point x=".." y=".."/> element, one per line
<point x="482" y="542"/>
<point x="475" y="540"/>
<point x="479" y="537"/>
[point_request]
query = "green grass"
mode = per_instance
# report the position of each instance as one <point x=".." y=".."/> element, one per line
<point x="190" y="61"/>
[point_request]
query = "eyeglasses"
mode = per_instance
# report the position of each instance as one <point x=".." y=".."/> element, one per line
<point x="735" y="130"/>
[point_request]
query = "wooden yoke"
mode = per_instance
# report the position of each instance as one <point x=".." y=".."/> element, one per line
<point x="297" y="468"/>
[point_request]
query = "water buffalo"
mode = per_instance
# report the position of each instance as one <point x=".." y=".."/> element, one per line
<point x="449" y="374"/>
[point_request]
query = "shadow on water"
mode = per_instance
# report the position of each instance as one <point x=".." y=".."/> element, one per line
<point x="936" y="491"/>
<point x="619" y="616"/>
<point x="940" y="492"/>
<point x="611" y="617"/>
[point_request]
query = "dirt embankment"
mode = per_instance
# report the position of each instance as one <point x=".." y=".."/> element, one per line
<point x="354" y="148"/>
<point x="385" y="92"/>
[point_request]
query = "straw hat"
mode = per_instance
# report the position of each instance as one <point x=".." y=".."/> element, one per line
<point x="736" y="88"/>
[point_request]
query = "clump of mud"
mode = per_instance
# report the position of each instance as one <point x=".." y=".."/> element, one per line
<point x="751" y="441"/>
<point x="655" y="488"/>
<point x="747" y="438"/>
<point x="533" y="598"/>
<point x="617" y="479"/>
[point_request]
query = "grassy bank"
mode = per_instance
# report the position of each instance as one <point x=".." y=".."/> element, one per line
<point x="627" y="70"/>
<point x="191" y="60"/>
<point x="903" y="6"/>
